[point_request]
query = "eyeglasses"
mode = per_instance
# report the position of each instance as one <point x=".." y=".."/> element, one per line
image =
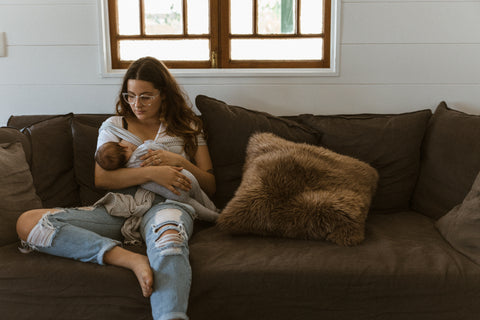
<point x="144" y="99"/>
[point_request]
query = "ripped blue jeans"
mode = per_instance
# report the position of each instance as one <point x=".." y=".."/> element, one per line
<point x="85" y="234"/>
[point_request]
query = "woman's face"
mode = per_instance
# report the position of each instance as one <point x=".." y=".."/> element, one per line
<point x="145" y="99"/>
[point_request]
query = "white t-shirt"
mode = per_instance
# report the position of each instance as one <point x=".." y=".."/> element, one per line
<point x="174" y="144"/>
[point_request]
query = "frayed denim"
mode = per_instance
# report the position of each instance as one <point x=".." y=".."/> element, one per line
<point x="86" y="234"/>
<point x="168" y="255"/>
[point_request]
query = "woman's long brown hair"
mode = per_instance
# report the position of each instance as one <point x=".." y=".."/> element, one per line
<point x="180" y="120"/>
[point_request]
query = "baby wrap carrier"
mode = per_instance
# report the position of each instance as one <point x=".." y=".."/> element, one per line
<point x="133" y="208"/>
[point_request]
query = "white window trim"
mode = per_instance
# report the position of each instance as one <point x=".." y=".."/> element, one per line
<point x="106" y="70"/>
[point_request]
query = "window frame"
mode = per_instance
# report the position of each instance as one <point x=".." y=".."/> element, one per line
<point x="226" y="36"/>
<point x="264" y="68"/>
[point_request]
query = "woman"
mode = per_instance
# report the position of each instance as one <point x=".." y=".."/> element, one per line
<point x="152" y="107"/>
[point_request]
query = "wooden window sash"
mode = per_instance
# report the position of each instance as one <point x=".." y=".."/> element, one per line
<point x="226" y="36"/>
<point x="220" y="37"/>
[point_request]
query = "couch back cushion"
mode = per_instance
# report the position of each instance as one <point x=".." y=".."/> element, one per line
<point x="228" y="130"/>
<point x="450" y="161"/>
<point x="85" y="133"/>
<point x="17" y="192"/>
<point x="64" y="148"/>
<point x="389" y="143"/>
<point x="12" y="134"/>
<point x="52" y="158"/>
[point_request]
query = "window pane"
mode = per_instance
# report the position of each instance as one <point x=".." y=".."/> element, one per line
<point x="276" y="16"/>
<point x="195" y="50"/>
<point x="241" y="16"/>
<point x="128" y="12"/>
<point x="311" y="16"/>
<point x="163" y="17"/>
<point x="198" y="16"/>
<point x="288" y="16"/>
<point x="277" y="49"/>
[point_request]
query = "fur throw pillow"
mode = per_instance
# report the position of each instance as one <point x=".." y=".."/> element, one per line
<point x="297" y="190"/>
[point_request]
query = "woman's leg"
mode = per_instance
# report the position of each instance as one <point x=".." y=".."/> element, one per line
<point x="85" y="234"/>
<point x="166" y="228"/>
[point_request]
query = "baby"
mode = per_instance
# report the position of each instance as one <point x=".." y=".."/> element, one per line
<point x="115" y="155"/>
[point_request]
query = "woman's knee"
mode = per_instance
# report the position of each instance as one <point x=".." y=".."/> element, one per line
<point x="28" y="220"/>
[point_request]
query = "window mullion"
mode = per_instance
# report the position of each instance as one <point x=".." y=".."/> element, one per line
<point x="214" y="36"/>
<point x="297" y="16"/>
<point x="255" y="17"/>
<point x="185" y="16"/>
<point x="142" y="17"/>
<point x="224" y="33"/>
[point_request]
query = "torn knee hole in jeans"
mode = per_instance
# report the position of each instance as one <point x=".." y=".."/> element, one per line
<point x="170" y="243"/>
<point x="42" y="234"/>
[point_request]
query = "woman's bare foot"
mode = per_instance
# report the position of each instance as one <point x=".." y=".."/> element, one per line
<point x="136" y="262"/>
<point x="144" y="274"/>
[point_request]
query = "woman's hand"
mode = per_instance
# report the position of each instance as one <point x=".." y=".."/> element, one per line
<point x="161" y="158"/>
<point x="171" y="178"/>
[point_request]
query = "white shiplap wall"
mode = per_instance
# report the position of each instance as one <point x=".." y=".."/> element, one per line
<point x="395" y="56"/>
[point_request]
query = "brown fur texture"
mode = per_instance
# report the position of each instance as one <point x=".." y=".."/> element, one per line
<point x="297" y="190"/>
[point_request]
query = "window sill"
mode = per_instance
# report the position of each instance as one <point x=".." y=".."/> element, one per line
<point x="238" y="73"/>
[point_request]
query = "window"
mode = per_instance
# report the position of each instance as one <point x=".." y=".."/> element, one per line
<point x="221" y="33"/>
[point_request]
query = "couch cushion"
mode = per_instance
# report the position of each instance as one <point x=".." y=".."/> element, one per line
<point x="450" y="161"/>
<point x="403" y="270"/>
<point x="85" y="133"/>
<point x="297" y="190"/>
<point x="461" y="225"/>
<point x="22" y="121"/>
<point x="41" y="286"/>
<point x="17" y="193"/>
<point x="228" y="129"/>
<point x="14" y="135"/>
<point x="52" y="161"/>
<point x="388" y="142"/>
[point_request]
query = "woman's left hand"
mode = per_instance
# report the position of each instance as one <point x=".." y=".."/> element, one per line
<point x="161" y="158"/>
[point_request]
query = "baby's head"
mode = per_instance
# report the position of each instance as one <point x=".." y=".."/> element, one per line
<point x="113" y="155"/>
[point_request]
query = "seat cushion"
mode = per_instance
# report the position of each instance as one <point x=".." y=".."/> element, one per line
<point x="450" y="161"/>
<point x="40" y="286"/>
<point x="404" y="267"/>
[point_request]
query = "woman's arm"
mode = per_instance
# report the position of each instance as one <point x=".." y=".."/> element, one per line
<point x="167" y="176"/>
<point x="120" y="178"/>
<point x="202" y="170"/>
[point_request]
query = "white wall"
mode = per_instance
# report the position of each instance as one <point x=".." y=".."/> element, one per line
<point x="395" y="56"/>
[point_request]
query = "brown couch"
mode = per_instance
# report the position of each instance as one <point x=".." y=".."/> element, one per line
<point x="404" y="269"/>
